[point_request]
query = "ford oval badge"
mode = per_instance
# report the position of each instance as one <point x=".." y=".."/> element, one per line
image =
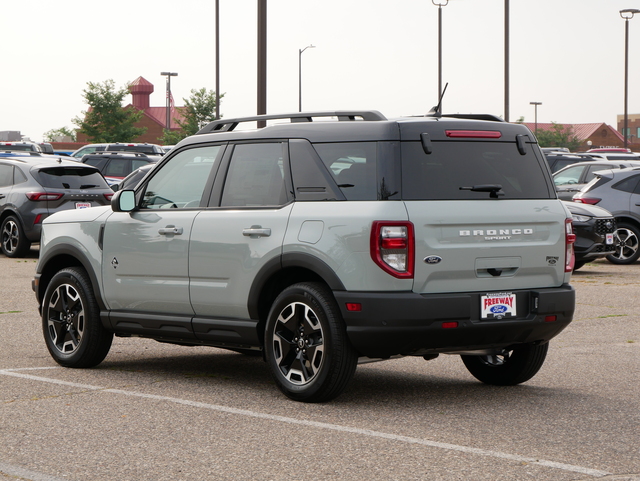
<point x="432" y="259"/>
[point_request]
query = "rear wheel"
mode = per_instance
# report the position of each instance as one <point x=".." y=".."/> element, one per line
<point x="627" y="241"/>
<point x="578" y="265"/>
<point x="508" y="366"/>
<point x="306" y="344"/>
<point x="14" y="242"/>
<point x="71" y="323"/>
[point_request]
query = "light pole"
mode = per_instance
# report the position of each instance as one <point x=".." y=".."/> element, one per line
<point x="300" y="75"/>
<point x="217" y="7"/>
<point x="440" y="4"/>
<point x="627" y="14"/>
<point x="169" y="75"/>
<point x="535" y="104"/>
<point x="506" y="60"/>
<point x="262" y="61"/>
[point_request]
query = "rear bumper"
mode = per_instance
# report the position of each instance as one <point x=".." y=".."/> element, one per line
<point x="416" y="324"/>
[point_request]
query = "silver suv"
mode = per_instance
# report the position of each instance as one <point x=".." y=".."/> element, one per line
<point x="320" y="243"/>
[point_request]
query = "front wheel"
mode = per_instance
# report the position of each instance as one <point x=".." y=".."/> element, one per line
<point x="507" y="367"/>
<point x="306" y="344"/>
<point x="627" y="242"/>
<point x="14" y="241"/>
<point x="71" y="323"/>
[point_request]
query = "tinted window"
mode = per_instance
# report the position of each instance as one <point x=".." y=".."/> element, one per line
<point x="71" y="178"/>
<point x="96" y="162"/>
<point x="146" y="149"/>
<point x="180" y="183"/>
<point x="353" y="166"/>
<point x="255" y="176"/>
<point x="628" y="185"/>
<point x="117" y="168"/>
<point x="455" y="165"/>
<point x="6" y="175"/>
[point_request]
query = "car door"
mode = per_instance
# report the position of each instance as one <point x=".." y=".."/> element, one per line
<point x="235" y="239"/>
<point x="146" y="252"/>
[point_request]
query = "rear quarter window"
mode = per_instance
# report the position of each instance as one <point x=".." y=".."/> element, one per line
<point x="452" y="165"/>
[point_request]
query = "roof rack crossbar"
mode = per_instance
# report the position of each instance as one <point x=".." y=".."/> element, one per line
<point x="227" y="125"/>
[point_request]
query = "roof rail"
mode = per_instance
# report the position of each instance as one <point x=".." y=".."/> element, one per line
<point x="227" y="125"/>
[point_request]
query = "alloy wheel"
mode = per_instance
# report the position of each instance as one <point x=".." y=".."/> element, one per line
<point x="298" y="343"/>
<point x="66" y="319"/>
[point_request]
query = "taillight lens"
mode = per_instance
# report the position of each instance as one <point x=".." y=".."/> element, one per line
<point x="393" y="247"/>
<point x="570" y="238"/>
<point x="587" y="200"/>
<point x="37" y="196"/>
<point x="108" y="197"/>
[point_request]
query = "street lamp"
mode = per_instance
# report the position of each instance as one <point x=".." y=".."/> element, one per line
<point x="627" y="14"/>
<point x="535" y="104"/>
<point x="300" y="75"/>
<point x="440" y="4"/>
<point x="506" y="60"/>
<point x="169" y="75"/>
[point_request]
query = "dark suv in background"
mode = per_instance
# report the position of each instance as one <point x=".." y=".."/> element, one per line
<point x="31" y="189"/>
<point x="115" y="166"/>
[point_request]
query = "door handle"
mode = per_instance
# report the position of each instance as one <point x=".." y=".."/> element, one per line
<point x="1" y="196"/>
<point x="170" y="230"/>
<point x="256" y="231"/>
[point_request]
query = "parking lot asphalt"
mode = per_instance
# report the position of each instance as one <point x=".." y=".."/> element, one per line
<point x="154" y="411"/>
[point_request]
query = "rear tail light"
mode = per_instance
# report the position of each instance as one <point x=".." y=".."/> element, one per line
<point x="570" y="238"/>
<point x="108" y="197"/>
<point x="393" y="247"/>
<point x="587" y="200"/>
<point x="36" y="196"/>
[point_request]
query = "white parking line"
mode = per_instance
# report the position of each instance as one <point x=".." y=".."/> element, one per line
<point x="319" y="425"/>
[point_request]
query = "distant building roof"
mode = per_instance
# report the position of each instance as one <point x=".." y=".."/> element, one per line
<point x="581" y="131"/>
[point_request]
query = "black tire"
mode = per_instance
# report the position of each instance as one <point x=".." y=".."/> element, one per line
<point x="14" y="241"/>
<point x="306" y="344"/>
<point x="71" y="323"/>
<point x="627" y="241"/>
<point x="509" y="367"/>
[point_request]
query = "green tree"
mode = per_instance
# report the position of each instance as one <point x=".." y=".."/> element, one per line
<point x="53" y="134"/>
<point x="198" y="111"/>
<point x="558" y="136"/>
<point x="106" y="120"/>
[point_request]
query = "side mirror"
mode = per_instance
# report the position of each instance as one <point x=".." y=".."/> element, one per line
<point x="123" y="201"/>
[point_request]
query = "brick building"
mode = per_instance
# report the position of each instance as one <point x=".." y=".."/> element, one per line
<point x="153" y="118"/>
<point x="591" y="135"/>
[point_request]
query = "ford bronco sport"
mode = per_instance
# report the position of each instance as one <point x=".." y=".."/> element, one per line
<point x="322" y="242"/>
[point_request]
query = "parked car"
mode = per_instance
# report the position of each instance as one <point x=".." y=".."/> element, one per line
<point x="132" y="180"/>
<point x="615" y="156"/>
<point x="618" y="191"/>
<point x="571" y="179"/>
<point x="21" y="146"/>
<point x="149" y="149"/>
<point x="560" y="160"/>
<point x="322" y="242"/>
<point x="31" y="189"/>
<point x="594" y="228"/>
<point x="115" y="166"/>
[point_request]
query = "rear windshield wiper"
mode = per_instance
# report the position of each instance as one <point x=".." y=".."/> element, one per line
<point x="493" y="189"/>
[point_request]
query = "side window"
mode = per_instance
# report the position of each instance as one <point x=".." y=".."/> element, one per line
<point x="117" y="168"/>
<point x="255" y="176"/>
<point x="628" y="185"/>
<point x="136" y="164"/>
<point x="96" y="162"/>
<point x="353" y="166"/>
<point x="180" y="183"/>
<point x="6" y="175"/>
<point x="569" y="176"/>
<point x="18" y="177"/>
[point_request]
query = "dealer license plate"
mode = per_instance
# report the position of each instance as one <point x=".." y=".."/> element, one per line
<point x="83" y="205"/>
<point x="498" y="305"/>
<point x="609" y="239"/>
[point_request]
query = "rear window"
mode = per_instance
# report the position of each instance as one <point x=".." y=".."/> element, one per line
<point x="452" y="167"/>
<point x="71" y="178"/>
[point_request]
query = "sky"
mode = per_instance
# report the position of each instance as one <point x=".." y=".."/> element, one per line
<point x="369" y="54"/>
